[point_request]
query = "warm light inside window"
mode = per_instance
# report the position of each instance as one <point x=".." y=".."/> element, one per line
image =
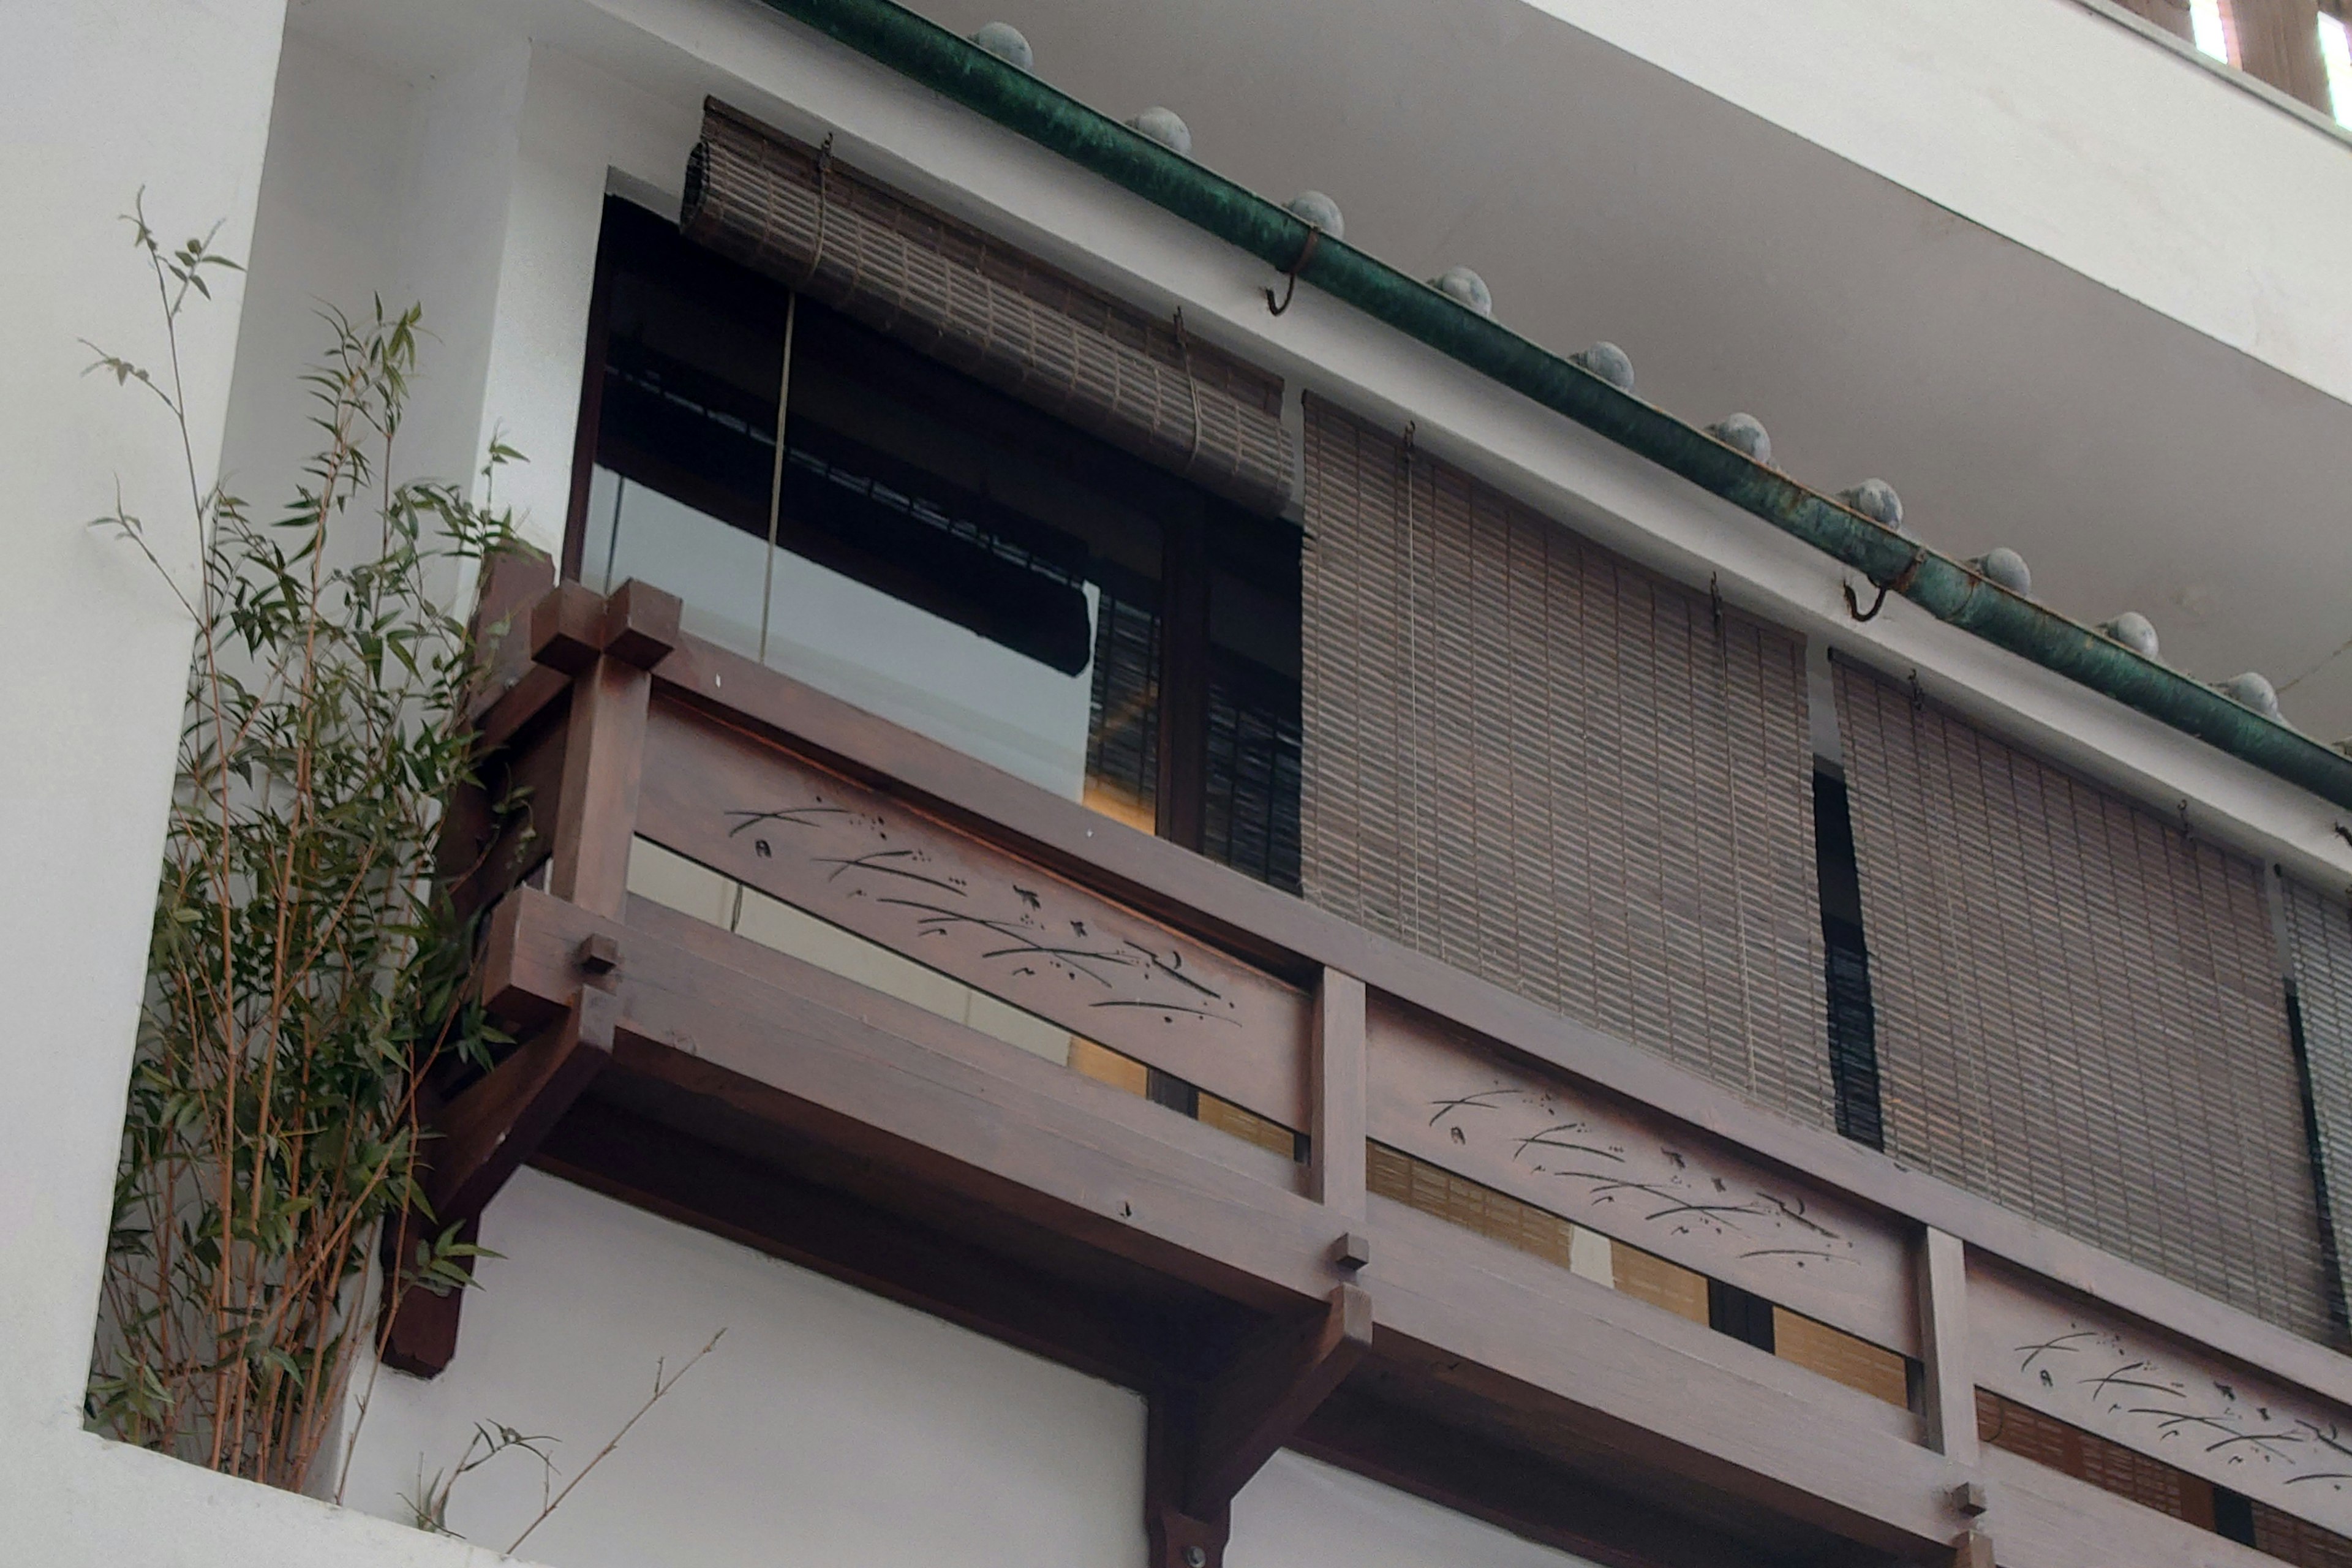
<point x="2212" y="34"/>
<point x="2335" y="48"/>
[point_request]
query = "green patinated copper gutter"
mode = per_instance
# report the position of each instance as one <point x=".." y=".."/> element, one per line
<point x="939" y="60"/>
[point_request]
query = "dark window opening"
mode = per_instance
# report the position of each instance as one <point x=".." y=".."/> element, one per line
<point x="1853" y="1025"/>
<point x="932" y="549"/>
<point x="1742" y="1314"/>
<point x="2233" y="1516"/>
<point x="2339" y="1311"/>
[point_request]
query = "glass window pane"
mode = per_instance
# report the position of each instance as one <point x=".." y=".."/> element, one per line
<point x="946" y="555"/>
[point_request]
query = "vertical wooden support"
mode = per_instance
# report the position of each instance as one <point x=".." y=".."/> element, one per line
<point x="609" y="647"/>
<point x="1336" y="1094"/>
<point x="1204" y="1442"/>
<point x="2278" y="40"/>
<point x="1941" y="1274"/>
<point x="603" y="755"/>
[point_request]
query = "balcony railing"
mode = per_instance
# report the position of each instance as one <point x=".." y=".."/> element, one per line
<point x="2286" y="44"/>
<point x="789" y="972"/>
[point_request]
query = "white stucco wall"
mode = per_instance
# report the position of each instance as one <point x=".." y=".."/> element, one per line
<point x="100" y="100"/>
<point x="830" y="1427"/>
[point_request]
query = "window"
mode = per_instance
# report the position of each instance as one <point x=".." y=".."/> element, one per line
<point x="938" y="552"/>
<point x="1854" y="1046"/>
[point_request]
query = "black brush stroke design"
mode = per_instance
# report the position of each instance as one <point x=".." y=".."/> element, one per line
<point x="1468" y="1102"/>
<point x="1168" y="1007"/>
<point x="789" y="815"/>
<point x="871" y="861"/>
<point x="1544" y="1140"/>
<point x="2033" y="1352"/>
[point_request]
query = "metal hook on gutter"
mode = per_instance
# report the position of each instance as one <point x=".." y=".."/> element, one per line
<point x="1290" y="276"/>
<point x="1901" y="585"/>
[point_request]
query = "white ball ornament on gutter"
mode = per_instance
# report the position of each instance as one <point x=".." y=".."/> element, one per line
<point x="1744" y="433"/>
<point x="1315" y="207"/>
<point x="1875" y="500"/>
<point x="2253" y="689"/>
<point x="1611" y="364"/>
<point x="2134" y="631"/>
<point x="1004" y="40"/>
<point x="2007" y="568"/>
<point x="1465" y="287"/>
<point x="1165" y="126"/>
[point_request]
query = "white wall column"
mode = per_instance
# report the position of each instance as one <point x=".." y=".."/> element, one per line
<point x="104" y="98"/>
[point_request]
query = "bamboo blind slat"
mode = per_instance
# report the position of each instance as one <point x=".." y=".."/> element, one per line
<point x="2079" y="1006"/>
<point x="1535" y="760"/>
<point x="2319" y="942"/>
<point x="762" y="199"/>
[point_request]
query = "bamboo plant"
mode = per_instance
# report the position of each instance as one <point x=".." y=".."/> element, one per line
<point x="304" y="974"/>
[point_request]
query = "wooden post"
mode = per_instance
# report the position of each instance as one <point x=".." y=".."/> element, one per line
<point x="604" y="757"/>
<point x="1336" y="1095"/>
<point x="1941" y="1274"/>
<point x="609" y="647"/>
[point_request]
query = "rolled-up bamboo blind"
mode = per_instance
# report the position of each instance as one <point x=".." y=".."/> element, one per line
<point x="1540" y="764"/>
<point x="2319" y="945"/>
<point x="2080" y="1008"/>
<point x="761" y="198"/>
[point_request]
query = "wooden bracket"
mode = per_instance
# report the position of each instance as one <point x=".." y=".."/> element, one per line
<point x="479" y="1141"/>
<point x="1973" y="1550"/>
<point x="641" y="624"/>
<point x="567" y="629"/>
<point x="1205" y="1444"/>
<point x="572" y="626"/>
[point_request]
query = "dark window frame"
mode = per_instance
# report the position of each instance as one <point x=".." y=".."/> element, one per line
<point x="635" y="237"/>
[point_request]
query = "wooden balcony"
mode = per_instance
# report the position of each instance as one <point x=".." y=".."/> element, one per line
<point x="970" y="1046"/>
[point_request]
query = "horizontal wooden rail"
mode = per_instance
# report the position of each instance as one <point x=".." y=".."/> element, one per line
<point x="1294" y="940"/>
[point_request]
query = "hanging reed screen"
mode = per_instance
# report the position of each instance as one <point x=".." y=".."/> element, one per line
<point x="2080" y="1010"/>
<point x="1535" y="760"/>
<point x="766" y="200"/>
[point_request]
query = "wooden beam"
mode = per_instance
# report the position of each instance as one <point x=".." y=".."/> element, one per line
<point x="767" y="1055"/>
<point x="475" y="1143"/>
<point x="939" y="1107"/>
<point x="1949" y="1417"/>
<point x="1270" y="1390"/>
<point x="419" y="1333"/>
<point x="1336" y="1089"/>
<point x="626" y="1155"/>
<point x="488" y="1131"/>
<point x="1587" y="1512"/>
